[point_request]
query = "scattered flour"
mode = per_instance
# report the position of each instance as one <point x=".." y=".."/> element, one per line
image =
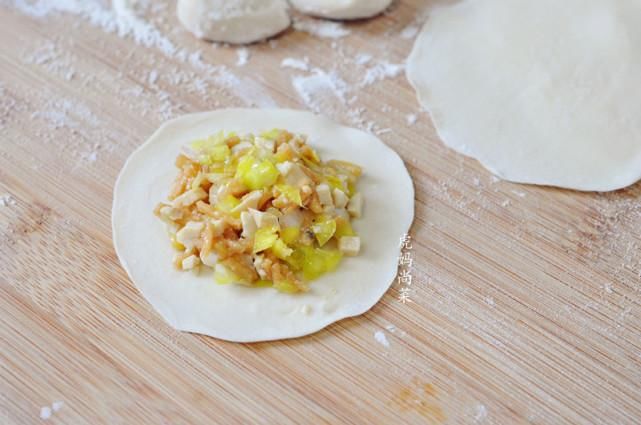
<point x="320" y="87"/>
<point x="7" y="105"/>
<point x="300" y="64"/>
<point x="381" y="338"/>
<point x="153" y="77"/>
<point x="124" y="21"/>
<point x="243" y="56"/>
<point x="7" y="200"/>
<point x="322" y="29"/>
<point x="363" y="58"/>
<point x="382" y="71"/>
<point x="396" y="331"/>
<point x="411" y="119"/>
<point x="49" y="56"/>
<point x="45" y="413"/>
<point x="480" y="413"/>
<point x="121" y="20"/>
<point x="59" y="113"/>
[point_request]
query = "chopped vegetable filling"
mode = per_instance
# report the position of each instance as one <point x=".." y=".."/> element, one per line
<point x="262" y="210"/>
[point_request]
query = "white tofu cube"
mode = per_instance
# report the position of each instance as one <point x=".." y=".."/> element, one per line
<point x="249" y="224"/>
<point x="340" y="198"/>
<point x="349" y="245"/>
<point x="293" y="174"/>
<point x="355" y="205"/>
<point x="189" y="235"/>
<point x="293" y="218"/>
<point x="265" y="144"/>
<point x="264" y="219"/>
<point x="190" y="262"/>
<point x="209" y="260"/>
<point x="342" y="213"/>
<point x="188" y="198"/>
<point x="324" y="195"/>
<point x="240" y="147"/>
<point x="249" y="201"/>
<point x="284" y="167"/>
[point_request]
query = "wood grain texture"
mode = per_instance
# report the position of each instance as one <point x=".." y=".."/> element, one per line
<point x="525" y="302"/>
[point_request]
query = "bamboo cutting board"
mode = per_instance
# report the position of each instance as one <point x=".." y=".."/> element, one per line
<point x="524" y="304"/>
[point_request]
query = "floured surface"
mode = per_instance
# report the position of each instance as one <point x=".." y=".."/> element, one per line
<point x="195" y="303"/>
<point x="539" y="92"/>
<point x="524" y="302"/>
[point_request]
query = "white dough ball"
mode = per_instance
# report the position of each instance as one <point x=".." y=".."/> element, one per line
<point x="234" y="21"/>
<point x="342" y="9"/>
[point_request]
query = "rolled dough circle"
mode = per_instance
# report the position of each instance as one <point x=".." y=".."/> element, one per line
<point x="544" y="92"/>
<point x="237" y="21"/>
<point x="342" y="9"/>
<point x="195" y="303"/>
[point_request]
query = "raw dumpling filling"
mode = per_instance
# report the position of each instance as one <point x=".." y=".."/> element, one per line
<point x="262" y="210"/>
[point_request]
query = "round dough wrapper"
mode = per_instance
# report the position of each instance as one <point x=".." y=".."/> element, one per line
<point x="342" y="9"/>
<point x="194" y="302"/>
<point x="238" y="22"/>
<point x="543" y="92"/>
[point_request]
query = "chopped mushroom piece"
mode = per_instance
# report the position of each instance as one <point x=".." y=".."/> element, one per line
<point x="258" y="265"/>
<point x="355" y="205"/>
<point x="240" y="147"/>
<point x="349" y="245"/>
<point x="188" y="198"/>
<point x="249" y="224"/>
<point x="171" y="213"/>
<point x="218" y="226"/>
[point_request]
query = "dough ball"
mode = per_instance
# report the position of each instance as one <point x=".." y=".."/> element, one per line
<point x="342" y="9"/>
<point x="237" y="21"/>
<point x="543" y="92"/>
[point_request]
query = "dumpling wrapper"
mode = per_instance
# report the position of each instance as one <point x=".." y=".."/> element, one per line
<point x="196" y="303"/>
<point x="544" y="92"/>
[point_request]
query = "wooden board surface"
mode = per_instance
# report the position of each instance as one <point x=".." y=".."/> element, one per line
<point x="524" y="304"/>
